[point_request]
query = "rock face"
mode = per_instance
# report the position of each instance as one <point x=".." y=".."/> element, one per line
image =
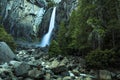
<point x="2" y="6"/>
<point x="45" y="22"/>
<point x="22" y="17"/>
<point x="63" y="12"/>
<point x="6" y="53"/>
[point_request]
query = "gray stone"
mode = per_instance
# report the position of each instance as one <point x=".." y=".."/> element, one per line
<point x="59" y="69"/>
<point x="1" y="78"/>
<point x="64" y="61"/>
<point x="118" y="76"/>
<point x="76" y="72"/>
<point x="28" y="79"/>
<point x="47" y="76"/>
<point x="23" y="18"/>
<point x="59" y="79"/>
<point x="6" y="54"/>
<point x="35" y="73"/>
<point x="105" y="75"/>
<point x="67" y="78"/>
<point x="6" y="74"/>
<point x="22" y="69"/>
<point x="54" y="64"/>
<point x="88" y="78"/>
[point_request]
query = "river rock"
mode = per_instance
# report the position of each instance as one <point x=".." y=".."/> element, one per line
<point x="76" y="72"/>
<point x="118" y="76"/>
<point x="35" y="73"/>
<point x="59" y="69"/>
<point x="6" y="74"/>
<point x="64" y="61"/>
<point x="28" y="79"/>
<point x="6" y="54"/>
<point x="54" y="63"/>
<point x="67" y="78"/>
<point x="105" y="75"/>
<point x="21" y="69"/>
<point x="47" y="76"/>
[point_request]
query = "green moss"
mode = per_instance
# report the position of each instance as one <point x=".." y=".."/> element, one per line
<point x="5" y="37"/>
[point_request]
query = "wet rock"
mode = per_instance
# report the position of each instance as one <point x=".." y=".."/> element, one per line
<point x="6" y="54"/>
<point x="45" y="22"/>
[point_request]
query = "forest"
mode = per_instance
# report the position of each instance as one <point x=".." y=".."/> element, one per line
<point x="92" y="32"/>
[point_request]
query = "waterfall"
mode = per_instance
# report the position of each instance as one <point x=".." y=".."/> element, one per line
<point x="46" y="38"/>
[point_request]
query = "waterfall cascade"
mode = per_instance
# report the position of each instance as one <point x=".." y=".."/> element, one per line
<point x="46" y="38"/>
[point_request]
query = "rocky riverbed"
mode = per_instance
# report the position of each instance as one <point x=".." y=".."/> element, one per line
<point x="36" y="64"/>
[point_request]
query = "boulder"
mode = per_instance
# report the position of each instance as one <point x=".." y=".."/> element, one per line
<point x="118" y="76"/>
<point x="21" y="68"/>
<point x="105" y="75"/>
<point x="28" y="79"/>
<point x="6" y="74"/>
<point x="59" y="69"/>
<point x="54" y="64"/>
<point x="64" y="61"/>
<point x="47" y="76"/>
<point x="35" y="73"/>
<point x="67" y="78"/>
<point x="6" y="54"/>
<point x="75" y="72"/>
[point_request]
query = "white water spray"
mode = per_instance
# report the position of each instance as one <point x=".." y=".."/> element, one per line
<point x="46" y="39"/>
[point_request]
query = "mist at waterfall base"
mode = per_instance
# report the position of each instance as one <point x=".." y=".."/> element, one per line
<point x="46" y="38"/>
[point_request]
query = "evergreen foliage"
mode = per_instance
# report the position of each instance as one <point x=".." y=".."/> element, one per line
<point x="54" y="49"/>
<point x="50" y="4"/>
<point x="103" y="59"/>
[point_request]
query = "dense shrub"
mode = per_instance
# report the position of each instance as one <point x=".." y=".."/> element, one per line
<point x="4" y="36"/>
<point x="102" y="59"/>
<point x="54" y="49"/>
